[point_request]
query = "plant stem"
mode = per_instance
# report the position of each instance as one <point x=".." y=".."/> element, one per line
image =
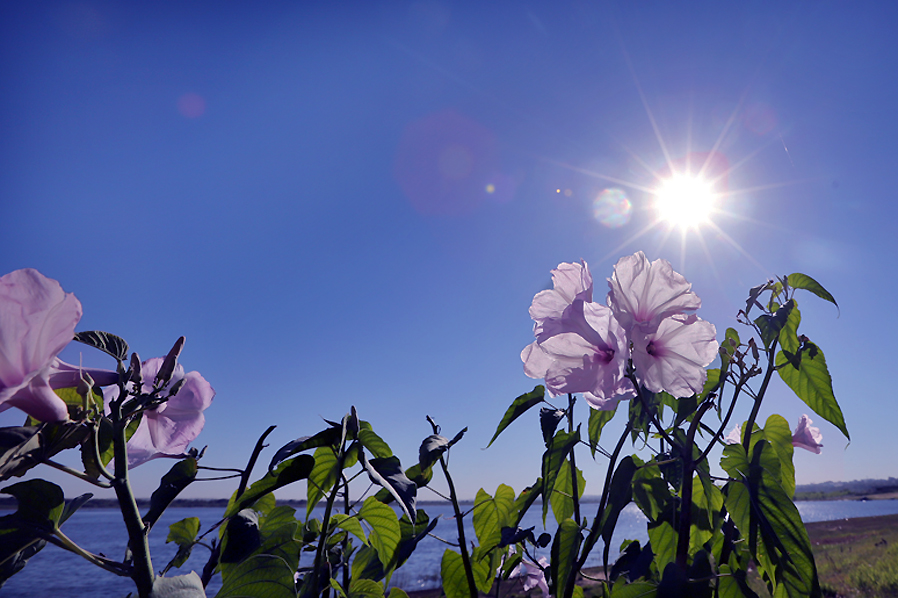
<point x="596" y="530"/>
<point x="750" y="424"/>
<point x="459" y="522"/>
<point x="78" y="474"/>
<point x="570" y="425"/>
<point x="142" y="572"/>
<point x="686" y="492"/>
<point x="322" y="538"/>
<point x="63" y="541"/>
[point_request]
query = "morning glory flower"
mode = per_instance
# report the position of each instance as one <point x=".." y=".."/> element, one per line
<point x="807" y="437"/>
<point x="642" y="293"/>
<point x="533" y="575"/>
<point x="673" y="357"/>
<point x="37" y="320"/>
<point x="570" y="282"/>
<point x="167" y="430"/>
<point x="588" y="354"/>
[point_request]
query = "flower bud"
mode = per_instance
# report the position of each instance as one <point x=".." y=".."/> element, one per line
<point x="171" y="360"/>
<point x="135" y="376"/>
<point x="177" y="386"/>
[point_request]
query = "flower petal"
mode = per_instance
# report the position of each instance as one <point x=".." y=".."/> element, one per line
<point x="673" y="359"/>
<point x="642" y="293"/>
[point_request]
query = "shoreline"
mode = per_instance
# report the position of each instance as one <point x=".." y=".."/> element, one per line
<point x="820" y="533"/>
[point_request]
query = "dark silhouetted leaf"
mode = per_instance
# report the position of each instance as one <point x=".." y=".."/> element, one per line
<point x="104" y="341"/>
<point x="519" y="406"/>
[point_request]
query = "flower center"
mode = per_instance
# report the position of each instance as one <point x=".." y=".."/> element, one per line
<point x="604" y="356"/>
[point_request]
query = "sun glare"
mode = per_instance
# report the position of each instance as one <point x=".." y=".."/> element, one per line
<point x="684" y="201"/>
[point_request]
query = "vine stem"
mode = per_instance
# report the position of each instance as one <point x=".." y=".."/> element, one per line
<point x="570" y="424"/>
<point x="689" y="463"/>
<point x="78" y="474"/>
<point x="142" y="573"/>
<point x="750" y="424"/>
<point x="459" y="522"/>
<point x="594" y="532"/>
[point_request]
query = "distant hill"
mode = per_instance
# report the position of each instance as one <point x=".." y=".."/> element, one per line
<point x="852" y="489"/>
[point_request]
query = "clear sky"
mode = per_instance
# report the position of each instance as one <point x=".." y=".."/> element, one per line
<point x="354" y="203"/>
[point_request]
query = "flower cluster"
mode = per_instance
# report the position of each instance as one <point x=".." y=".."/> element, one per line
<point x="585" y="347"/>
<point x="37" y="320"/>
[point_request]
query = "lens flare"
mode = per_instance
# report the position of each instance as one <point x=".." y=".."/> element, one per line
<point x="612" y="208"/>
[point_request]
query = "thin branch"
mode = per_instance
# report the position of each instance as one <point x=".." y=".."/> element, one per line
<point x="78" y="474"/>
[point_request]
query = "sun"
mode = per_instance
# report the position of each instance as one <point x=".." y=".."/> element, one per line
<point x="685" y="201"/>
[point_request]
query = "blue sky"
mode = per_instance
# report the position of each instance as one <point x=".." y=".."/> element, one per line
<point x="354" y="204"/>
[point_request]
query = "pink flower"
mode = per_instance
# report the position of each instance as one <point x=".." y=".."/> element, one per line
<point x="806" y="436"/>
<point x="37" y="320"/>
<point x="673" y="357"/>
<point x="167" y="430"/>
<point x="571" y="282"/>
<point x="533" y="575"/>
<point x="642" y="293"/>
<point x="588" y="353"/>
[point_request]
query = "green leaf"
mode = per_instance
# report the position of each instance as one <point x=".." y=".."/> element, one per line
<point x="789" y="333"/>
<point x="327" y="437"/>
<point x="563" y="492"/>
<point x="777" y="432"/>
<point x="813" y="384"/>
<point x="484" y="562"/>
<point x="650" y="492"/>
<point x="365" y="588"/>
<point x="351" y="524"/>
<point x="663" y="539"/>
<point x="637" y="589"/>
<point x="366" y="564"/>
<point x="548" y="422"/>
<point x="285" y="473"/>
<point x="388" y="473"/>
<point x="553" y="459"/>
<point x="491" y="514"/>
<point x="183" y="533"/>
<point x="397" y="593"/>
<point x="766" y="516"/>
<point x="411" y="534"/>
<point x="104" y="341"/>
<point x="421" y="477"/>
<point x="181" y="586"/>
<point x="385" y="533"/>
<point x="803" y="281"/>
<point x="597" y="421"/>
<point x="564" y="553"/>
<point x="23" y="447"/>
<point x="41" y="503"/>
<point x="240" y="539"/>
<point x="431" y="449"/>
<point x="619" y="496"/>
<point x="323" y="476"/>
<point x="260" y="576"/>
<point x="518" y="407"/>
<point x="178" y="477"/>
<point x="527" y="497"/>
<point x="375" y="444"/>
<point x="770" y="326"/>
<point x="452" y="572"/>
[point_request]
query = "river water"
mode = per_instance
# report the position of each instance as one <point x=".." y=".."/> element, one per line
<point x="56" y="572"/>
